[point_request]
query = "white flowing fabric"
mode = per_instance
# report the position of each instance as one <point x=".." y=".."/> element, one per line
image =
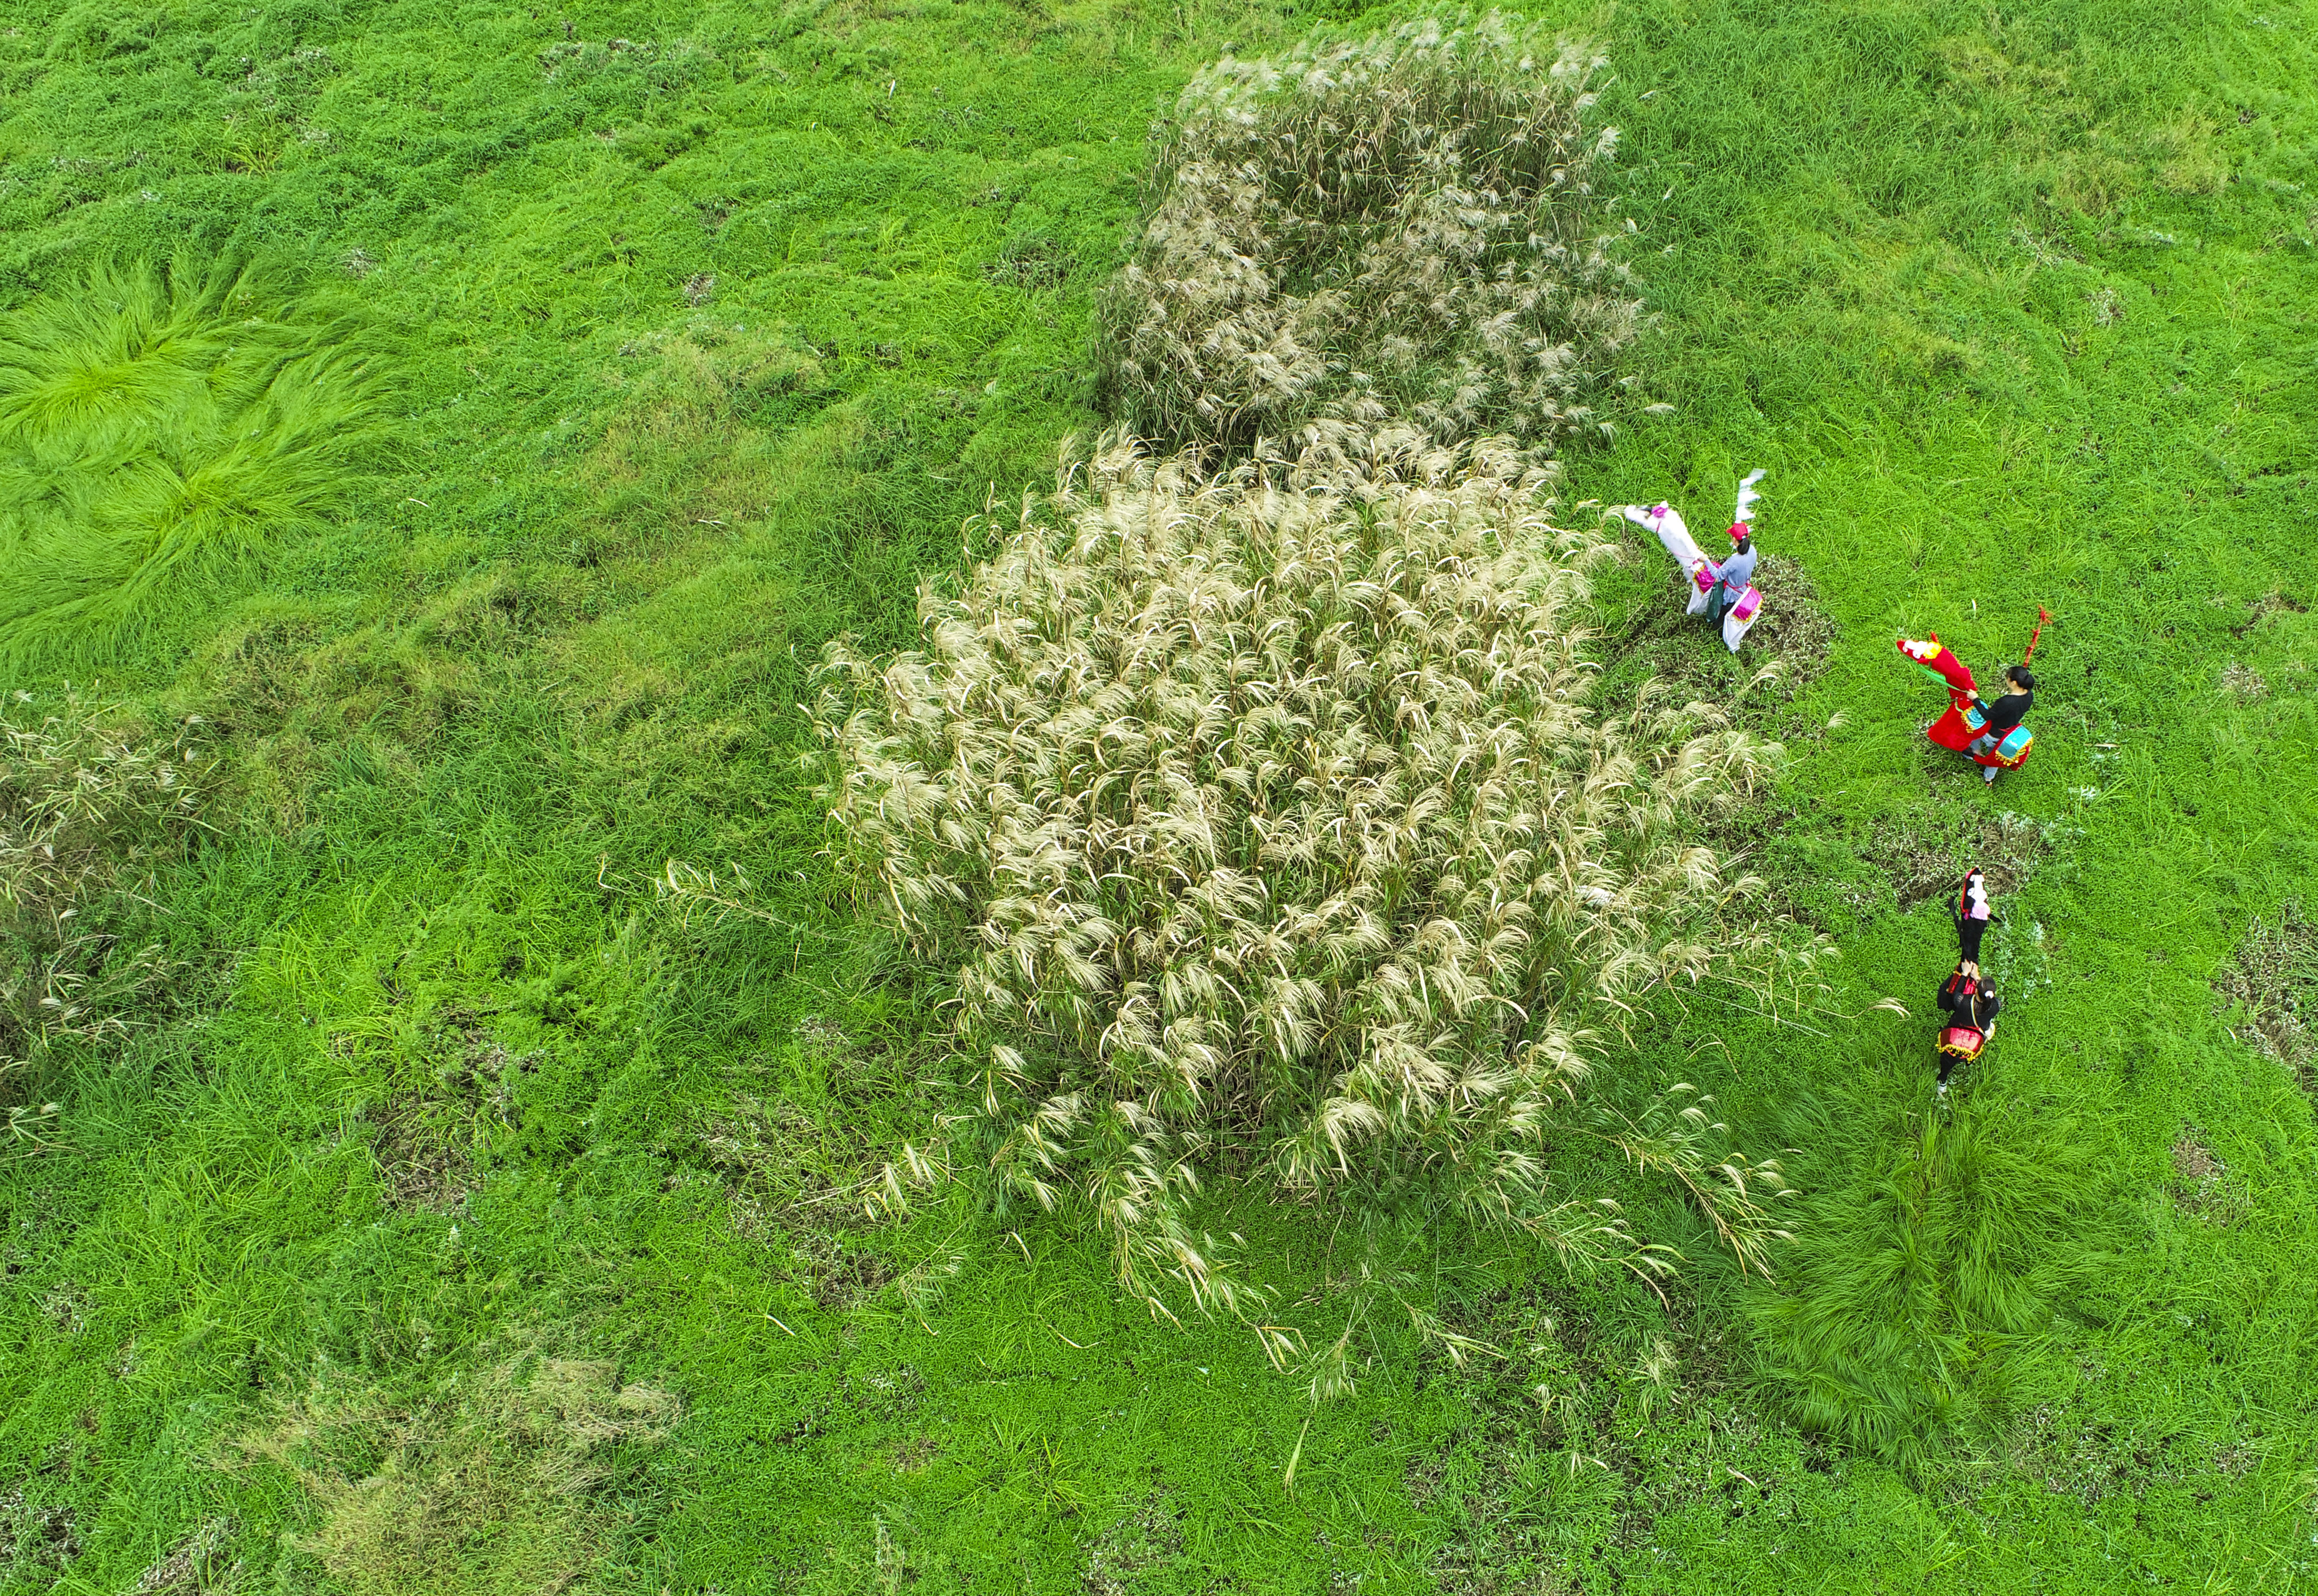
<point x="1733" y="628"/>
<point x="1667" y="524"/>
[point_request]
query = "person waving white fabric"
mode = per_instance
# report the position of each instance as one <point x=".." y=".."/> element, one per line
<point x="1724" y="594"/>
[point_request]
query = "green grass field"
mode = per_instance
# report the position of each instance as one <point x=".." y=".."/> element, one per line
<point x="461" y="1216"/>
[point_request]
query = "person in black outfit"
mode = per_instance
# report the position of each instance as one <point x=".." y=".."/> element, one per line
<point x="2019" y="698"/>
<point x="1967" y="1005"/>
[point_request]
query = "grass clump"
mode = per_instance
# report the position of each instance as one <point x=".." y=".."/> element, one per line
<point x="1395" y="226"/>
<point x="87" y="809"/>
<point x="494" y="1482"/>
<point x="1919" y="1287"/>
<point x="161" y="427"/>
<point x="1269" y="828"/>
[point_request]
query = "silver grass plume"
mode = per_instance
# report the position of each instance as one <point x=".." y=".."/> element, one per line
<point x="1399" y="227"/>
<point x="1267" y="823"/>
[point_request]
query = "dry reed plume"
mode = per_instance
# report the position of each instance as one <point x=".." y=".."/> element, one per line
<point x="1398" y="227"/>
<point x="1270" y="826"/>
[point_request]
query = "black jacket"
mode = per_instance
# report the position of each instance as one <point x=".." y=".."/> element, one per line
<point x="2005" y="714"/>
<point x="1968" y="1003"/>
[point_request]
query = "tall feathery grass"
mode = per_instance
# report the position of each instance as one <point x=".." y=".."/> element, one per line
<point x="160" y="428"/>
<point x="1261" y="818"/>
<point x="1266" y="826"/>
<point x="1399" y="225"/>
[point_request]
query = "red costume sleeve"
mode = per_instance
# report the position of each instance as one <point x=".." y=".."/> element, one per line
<point x="1940" y="663"/>
<point x="1943" y="666"/>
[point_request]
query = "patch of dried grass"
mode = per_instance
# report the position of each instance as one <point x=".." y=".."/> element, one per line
<point x="1136" y="1549"/>
<point x="2201" y="1183"/>
<point x="429" y="1139"/>
<point x="36" y="1540"/>
<point x="1032" y="262"/>
<point x="2273" y="603"/>
<point x="200" y="1565"/>
<point x="769" y="1154"/>
<point x="2089" y="1460"/>
<point x="791" y="1180"/>
<point x="491" y="1483"/>
<point x="2241" y="683"/>
<point x="1923" y="858"/>
<point x="2271" y="981"/>
<point x="88" y="810"/>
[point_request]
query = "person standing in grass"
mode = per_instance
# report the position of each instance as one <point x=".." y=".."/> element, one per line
<point x="2018" y="697"/>
<point x="1994" y="736"/>
<point x="1968" y="1006"/>
<point x="1734" y="575"/>
<point x="1724" y="594"/>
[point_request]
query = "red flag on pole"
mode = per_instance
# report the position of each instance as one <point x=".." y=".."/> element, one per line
<point x="2042" y="615"/>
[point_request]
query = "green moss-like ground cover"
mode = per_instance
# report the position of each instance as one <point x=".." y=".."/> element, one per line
<point x="714" y="324"/>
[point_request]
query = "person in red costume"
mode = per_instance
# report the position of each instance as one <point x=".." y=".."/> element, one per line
<point x="1991" y="735"/>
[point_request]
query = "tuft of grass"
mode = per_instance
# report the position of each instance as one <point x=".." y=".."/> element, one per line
<point x="161" y="429"/>
<point x="1923" y="1277"/>
<point x="491" y="1483"/>
<point x="89" y="810"/>
<point x="1399" y="225"/>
